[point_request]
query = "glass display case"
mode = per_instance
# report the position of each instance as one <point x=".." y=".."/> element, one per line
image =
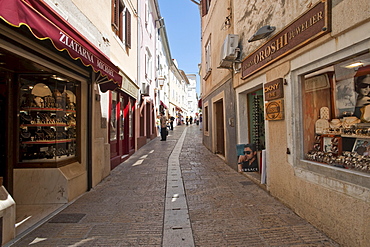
<point x="336" y="114"/>
<point x="47" y="118"/>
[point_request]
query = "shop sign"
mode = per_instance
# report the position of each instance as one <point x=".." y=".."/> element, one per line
<point x="275" y="110"/>
<point x="274" y="89"/>
<point x="308" y="27"/>
<point x="45" y="23"/>
<point x="129" y="87"/>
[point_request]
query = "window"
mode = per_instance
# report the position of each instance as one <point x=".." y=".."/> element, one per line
<point x="148" y="18"/>
<point x="336" y="115"/>
<point x="47" y="119"/>
<point x="128" y="28"/>
<point x="113" y="128"/>
<point x="121" y="22"/>
<point x="117" y="18"/>
<point x="148" y="65"/>
<point x="205" y="6"/>
<point x="122" y="118"/>
<point x="208" y="59"/>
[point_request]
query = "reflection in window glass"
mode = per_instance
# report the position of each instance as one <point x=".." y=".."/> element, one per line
<point x="113" y="117"/>
<point x="122" y="119"/>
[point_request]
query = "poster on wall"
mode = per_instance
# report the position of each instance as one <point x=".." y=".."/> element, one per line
<point x="345" y="97"/>
<point x="247" y="158"/>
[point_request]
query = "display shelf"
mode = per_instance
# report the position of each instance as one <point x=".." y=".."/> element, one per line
<point x="41" y="109"/>
<point x="49" y="141"/>
<point x="356" y="136"/>
<point x="47" y="120"/>
<point x="46" y="125"/>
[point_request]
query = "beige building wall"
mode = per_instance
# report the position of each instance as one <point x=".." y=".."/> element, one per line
<point x="215" y="31"/>
<point x="99" y="14"/>
<point x="336" y="201"/>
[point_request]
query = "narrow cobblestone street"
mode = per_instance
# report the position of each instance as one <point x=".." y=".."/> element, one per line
<point x="128" y="207"/>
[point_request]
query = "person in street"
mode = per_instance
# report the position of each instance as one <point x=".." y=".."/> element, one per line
<point x="171" y="122"/>
<point x="158" y="124"/>
<point x="200" y="121"/>
<point x="187" y="120"/>
<point x="163" y="122"/>
<point x="191" y="120"/>
<point x="248" y="162"/>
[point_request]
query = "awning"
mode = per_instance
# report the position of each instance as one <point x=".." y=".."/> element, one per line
<point x="163" y="104"/>
<point x="178" y="109"/>
<point x="200" y="103"/>
<point x="45" y="23"/>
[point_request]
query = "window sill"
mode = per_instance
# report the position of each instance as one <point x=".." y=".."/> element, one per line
<point x="331" y="174"/>
<point x="207" y="74"/>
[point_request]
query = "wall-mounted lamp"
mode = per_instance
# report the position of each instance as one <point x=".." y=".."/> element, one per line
<point x="262" y="33"/>
<point x="161" y="81"/>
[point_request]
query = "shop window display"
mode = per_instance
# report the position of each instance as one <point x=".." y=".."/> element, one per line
<point x="47" y="118"/>
<point x="336" y="113"/>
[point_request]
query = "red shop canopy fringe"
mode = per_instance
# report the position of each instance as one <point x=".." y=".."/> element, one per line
<point x="45" y="23"/>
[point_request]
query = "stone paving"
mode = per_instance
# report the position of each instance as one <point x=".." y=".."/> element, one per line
<point x="128" y="207"/>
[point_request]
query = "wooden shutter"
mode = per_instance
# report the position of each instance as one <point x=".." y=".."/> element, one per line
<point x="128" y="29"/>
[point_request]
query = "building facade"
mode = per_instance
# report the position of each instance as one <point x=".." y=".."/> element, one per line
<point x="301" y="84"/>
<point x="50" y="76"/>
<point x="218" y="97"/>
<point x="192" y="96"/>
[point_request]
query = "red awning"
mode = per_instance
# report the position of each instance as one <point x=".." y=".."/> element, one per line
<point x="45" y="23"/>
<point x="163" y="104"/>
<point x="200" y="103"/>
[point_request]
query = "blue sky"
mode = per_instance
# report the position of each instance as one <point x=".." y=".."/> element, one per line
<point x="182" y="21"/>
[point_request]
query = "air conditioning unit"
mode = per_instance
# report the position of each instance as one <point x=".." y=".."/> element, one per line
<point x="144" y="88"/>
<point x="229" y="51"/>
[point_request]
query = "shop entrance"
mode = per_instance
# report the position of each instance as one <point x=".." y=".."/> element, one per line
<point x="120" y="127"/>
<point x="219" y="127"/>
<point x="256" y="123"/>
<point x="3" y="127"/>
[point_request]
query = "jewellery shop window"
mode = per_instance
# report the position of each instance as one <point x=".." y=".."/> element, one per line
<point x="47" y="118"/>
<point x="336" y="113"/>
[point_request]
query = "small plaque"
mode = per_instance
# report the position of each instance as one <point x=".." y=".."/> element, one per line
<point x="274" y="89"/>
<point x="103" y="123"/>
<point x="275" y="110"/>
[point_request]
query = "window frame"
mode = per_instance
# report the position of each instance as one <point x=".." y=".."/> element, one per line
<point x="121" y="22"/>
<point x="208" y="58"/>
<point x="306" y="168"/>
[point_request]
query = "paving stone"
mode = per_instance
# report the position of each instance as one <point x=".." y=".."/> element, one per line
<point x="224" y="208"/>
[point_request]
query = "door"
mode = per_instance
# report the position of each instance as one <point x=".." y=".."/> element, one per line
<point x="131" y="125"/>
<point x="3" y="127"/>
<point x="256" y="123"/>
<point x="113" y="125"/>
<point x="220" y="132"/>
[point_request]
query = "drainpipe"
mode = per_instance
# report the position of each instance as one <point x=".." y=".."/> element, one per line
<point x="138" y="82"/>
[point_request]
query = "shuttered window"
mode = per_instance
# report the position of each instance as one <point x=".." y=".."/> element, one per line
<point x="128" y="28"/>
<point x="205" y="6"/>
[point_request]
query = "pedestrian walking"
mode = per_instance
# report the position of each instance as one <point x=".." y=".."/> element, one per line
<point x="171" y="122"/>
<point x="163" y="121"/>
<point x="200" y="121"/>
<point x="158" y="124"/>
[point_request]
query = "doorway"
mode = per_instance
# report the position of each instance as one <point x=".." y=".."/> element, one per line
<point x="219" y="127"/>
